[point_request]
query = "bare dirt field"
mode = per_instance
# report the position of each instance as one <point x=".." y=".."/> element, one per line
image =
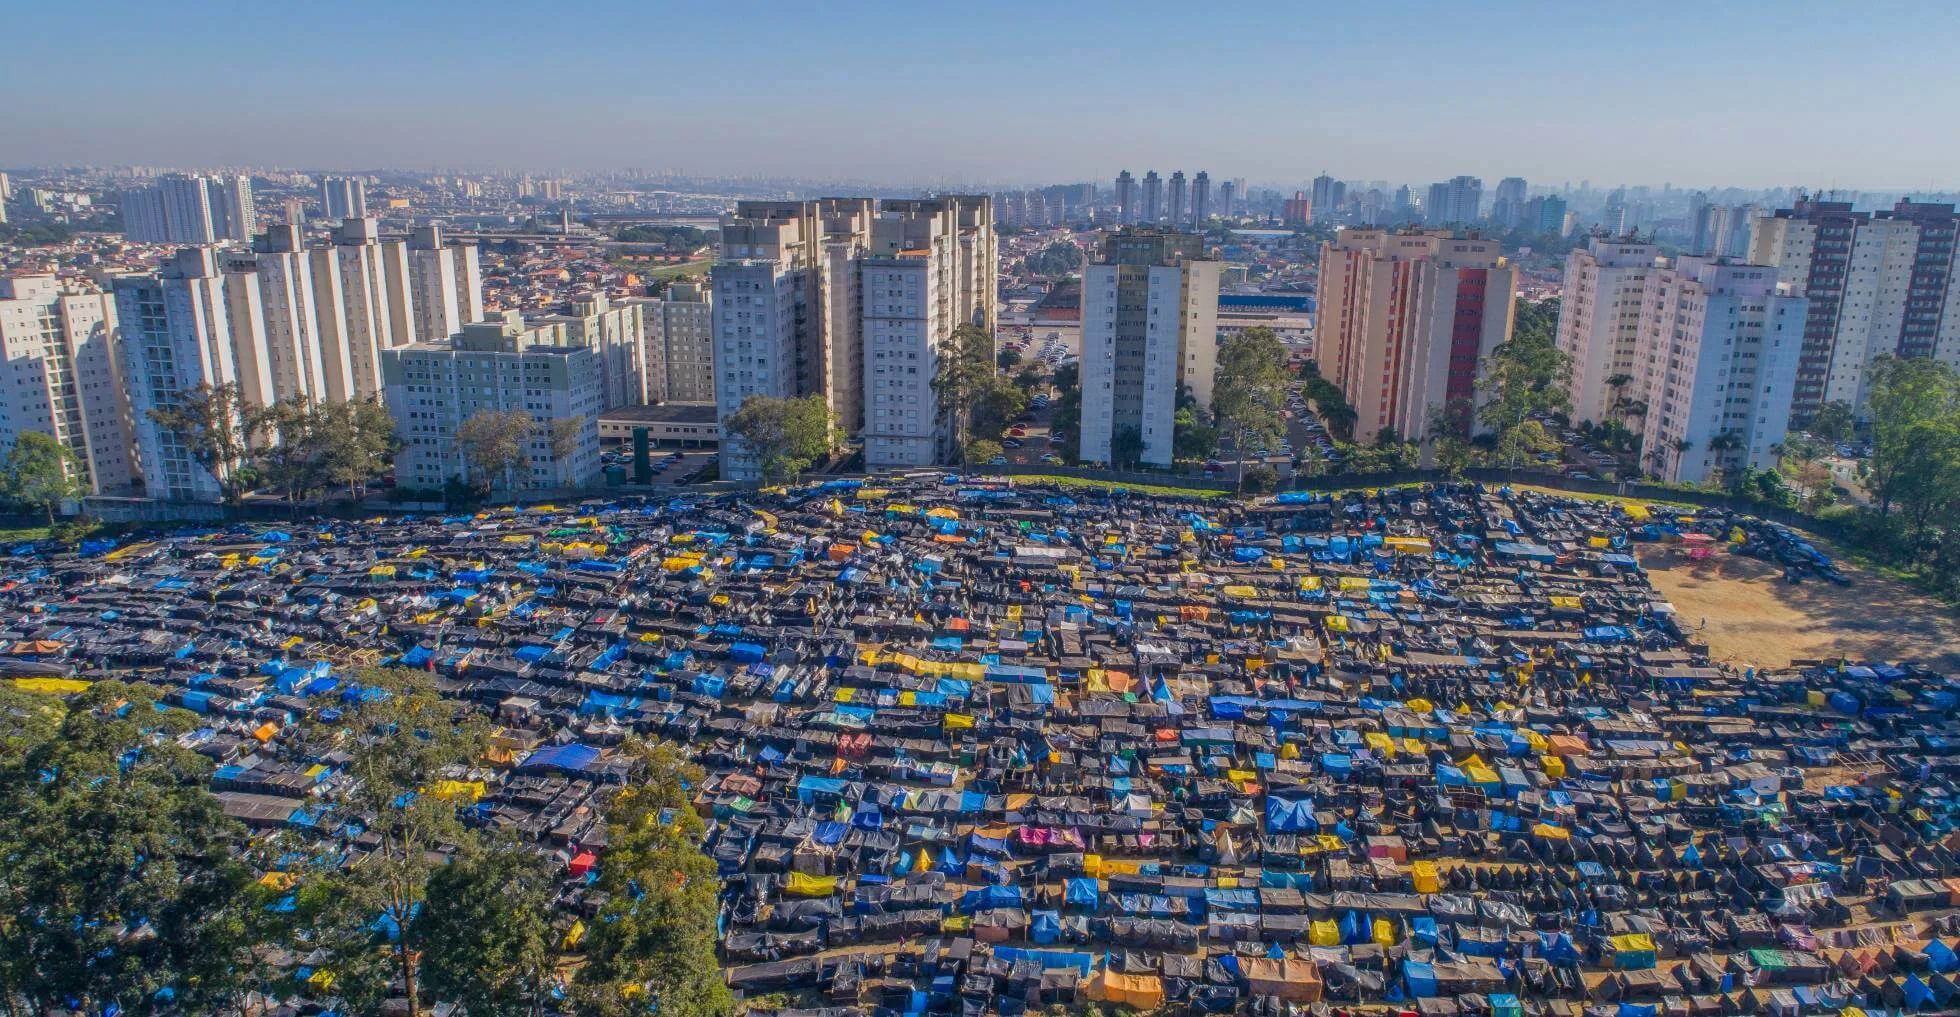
<point x="1756" y="619"/>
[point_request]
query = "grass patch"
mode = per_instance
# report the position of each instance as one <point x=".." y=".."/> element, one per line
<point x="1113" y="485"/>
<point x="26" y="533"/>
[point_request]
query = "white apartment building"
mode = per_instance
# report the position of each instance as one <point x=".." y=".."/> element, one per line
<point x="60" y="376"/>
<point x="1878" y="283"/>
<point x="1405" y="318"/>
<point x="377" y="298"/>
<point x="300" y="365"/>
<point x="175" y="334"/>
<point x="788" y="307"/>
<point x="433" y="387"/>
<point x="182" y="209"/>
<point x="611" y="331"/>
<point x="679" y="339"/>
<point x="1723" y="369"/>
<point x="1610" y="302"/>
<point x="446" y="281"/>
<point x="343" y="197"/>
<point x="1149" y="330"/>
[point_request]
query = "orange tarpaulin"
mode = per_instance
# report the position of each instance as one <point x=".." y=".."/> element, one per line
<point x="1294" y="980"/>
<point x="1145" y="992"/>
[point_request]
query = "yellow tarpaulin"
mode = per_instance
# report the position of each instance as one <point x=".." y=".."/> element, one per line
<point x="464" y="790"/>
<point x="1423" y="874"/>
<point x="1353" y="583"/>
<point x="958" y="720"/>
<point x="1324" y="932"/>
<point x="1337" y="623"/>
<point x="802" y="884"/>
<point x="1310" y="582"/>
<point x="1550" y="832"/>
<point x="52" y="686"/>
<point x="1632" y="942"/>
<point x="1241" y="592"/>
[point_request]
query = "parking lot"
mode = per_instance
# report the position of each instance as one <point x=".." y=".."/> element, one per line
<point x="670" y="465"/>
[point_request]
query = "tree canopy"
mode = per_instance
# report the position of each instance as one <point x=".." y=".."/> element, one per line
<point x="41" y="473"/>
<point x="215" y="424"/>
<point x="785" y="436"/>
<point x="1249" y="390"/>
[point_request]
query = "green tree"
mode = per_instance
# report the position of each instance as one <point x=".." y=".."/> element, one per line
<point x="293" y="458"/>
<point x="400" y="738"/>
<point x="784" y="436"/>
<point x="492" y="443"/>
<point x="981" y="451"/>
<point x="27" y="719"/>
<point x="1191" y="437"/>
<point x="486" y="924"/>
<point x="361" y="444"/>
<point x="1833" y="422"/>
<point x="1009" y="358"/>
<point x="1126" y="448"/>
<point x="653" y="945"/>
<point x="122" y="884"/>
<point x="1526" y="378"/>
<point x="1249" y="389"/>
<point x="215" y="425"/>
<point x="1907" y="397"/>
<point x="41" y="473"/>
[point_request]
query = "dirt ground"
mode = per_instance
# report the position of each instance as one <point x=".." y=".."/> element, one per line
<point x="1756" y="619"/>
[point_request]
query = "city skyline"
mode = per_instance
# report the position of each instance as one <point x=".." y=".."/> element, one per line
<point x="1270" y="95"/>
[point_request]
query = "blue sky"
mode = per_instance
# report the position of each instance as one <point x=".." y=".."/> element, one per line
<point x="1804" y="93"/>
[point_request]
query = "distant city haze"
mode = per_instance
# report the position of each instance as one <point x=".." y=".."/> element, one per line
<point x="1802" y="93"/>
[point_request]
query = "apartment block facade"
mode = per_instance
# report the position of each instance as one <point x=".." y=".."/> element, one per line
<point x="1149" y="332"/>
<point x="60" y="376"/>
<point x="433" y="387"/>
<point x="1877" y="283"/>
<point x="1405" y="318"/>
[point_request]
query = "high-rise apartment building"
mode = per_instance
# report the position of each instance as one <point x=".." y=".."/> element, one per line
<point x="614" y="333"/>
<point x="1126" y="197"/>
<point x="906" y="293"/>
<point x="182" y="209"/>
<point x="789" y="308"/>
<point x="299" y="363"/>
<point x="1201" y="199"/>
<point x="60" y="376"/>
<point x="1699" y="357"/>
<point x="175" y="331"/>
<point x="1228" y="198"/>
<point x="377" y="297"/>
<point x="343" y="197"/>
<point x="1153" y="197"/>
<point x="1177" y="206"/>
<point x="501" y="365"/>
<point x="1720" y="367"/>
<point x="1455" y="202"/>
<point x="446" y="281"/>
<point x="1297" y="211"/>
<point x="780" y="331"/>
<point x="1507" y="208"/>
<point x="1877" y="283"/>
<point x="1149" y="331"/>
<point x="1610" y="304"/>
<point x="1328" y="194"/>
<point x="1404" y="320"/>
<point x="1544" y="215"/>
<point x="680" y="344"/>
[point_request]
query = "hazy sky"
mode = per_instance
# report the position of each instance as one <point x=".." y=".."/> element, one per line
<point x="1799" y="92"/>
